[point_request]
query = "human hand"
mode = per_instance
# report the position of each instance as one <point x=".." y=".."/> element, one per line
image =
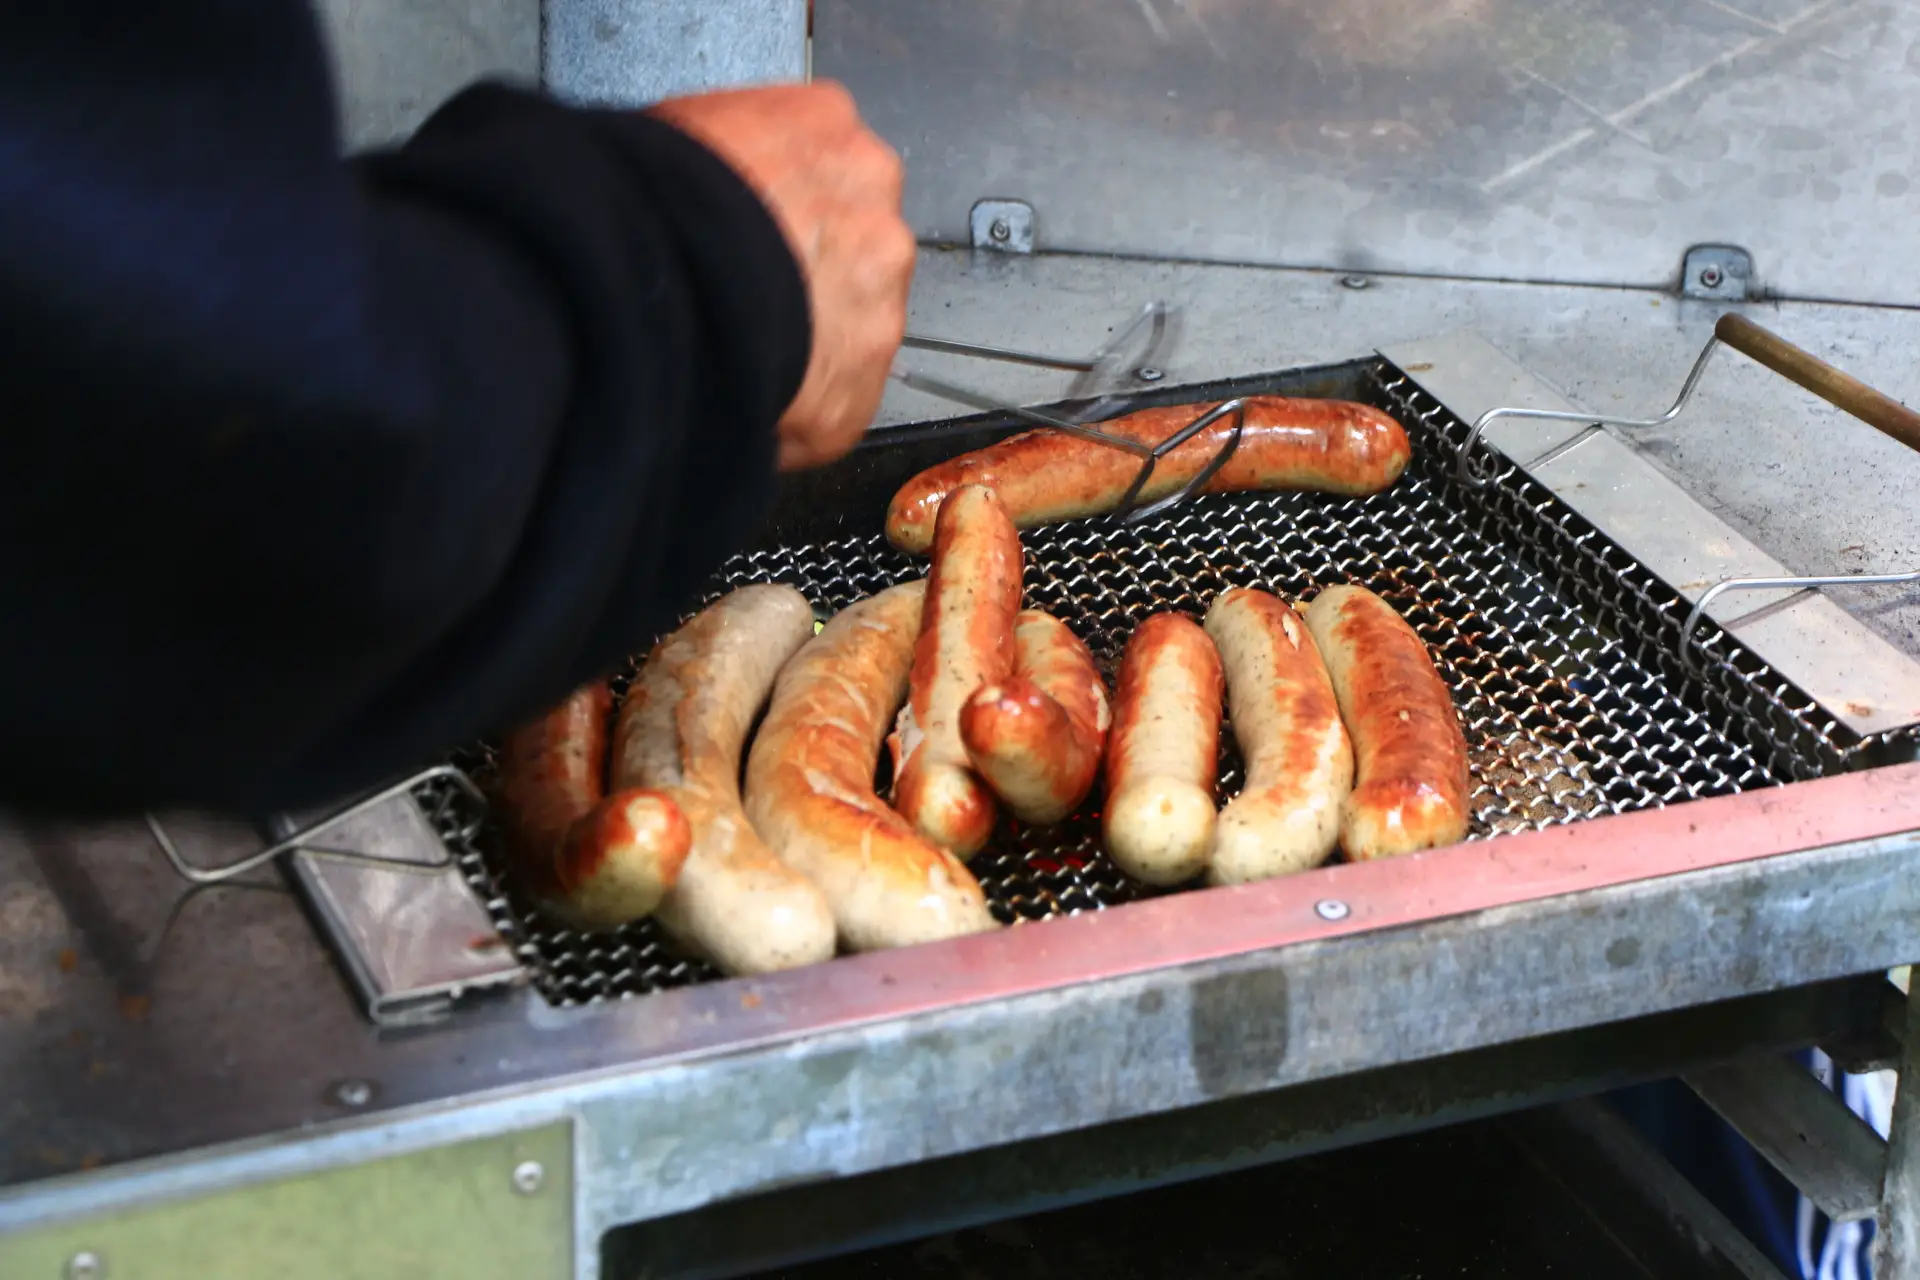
<point x="834" y="188"/>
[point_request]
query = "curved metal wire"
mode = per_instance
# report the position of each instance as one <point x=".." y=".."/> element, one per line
<point x="1474" y="474"/>
<point x="1688" y="649"/>
<point x="307" y="837"/>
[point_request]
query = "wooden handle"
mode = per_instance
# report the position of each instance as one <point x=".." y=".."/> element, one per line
<point x="1842" y="390"/>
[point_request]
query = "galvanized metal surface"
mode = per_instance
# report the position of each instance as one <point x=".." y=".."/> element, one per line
<point x="1792" y="474"/>
<point x="626" y="53"/>
<point x="696" y="1095"/>
<point x="1803" y="1129"/>
<point x="781" y="1228"/>
<point x="1562" y="140"/>
<point x="1896" y="1245"/>
<point x="395" y="63"/>
<point x="493" y="1208"/>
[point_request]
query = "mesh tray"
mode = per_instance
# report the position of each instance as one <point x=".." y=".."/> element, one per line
<point x="1558" y="647"/>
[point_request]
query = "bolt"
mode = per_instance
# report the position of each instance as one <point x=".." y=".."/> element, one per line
<point x="1000" y="231"/>
<point x="85" y="1266"/>
<point x="353" y="1093"/>
<point x="1332" y="909"/>
<point x="1711" y="276"/>
<point x="527" y="1177"/>
<point x="1356" y="282"/>
<point x="1147" y="373"/>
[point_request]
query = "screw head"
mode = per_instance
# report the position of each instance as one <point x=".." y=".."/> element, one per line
<point x="85" y="1266"/>
<point x="353" y="1093"/>
<point x="528" y="1176"/>
<point x="1356" y="282"/>
<point x="1000" y="230"/>
<point x="1332" y="909"/>
<point x="1711" y="276"/>
<point x="1147" y="373"/>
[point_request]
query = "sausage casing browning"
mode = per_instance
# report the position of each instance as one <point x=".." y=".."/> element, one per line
<point x="550" y="773"/>
<point x="1037" y="737"/>
<point x="681" y="732"/>
<point x="594" y="861"/>
<point x="1299" y="761"/>
<point x="1329" y="446"/>
<point x="810" y="784"/>
<point x="1163" y="752"/>
<point x="966" y="640"/>
<point x="1412" y="789"/>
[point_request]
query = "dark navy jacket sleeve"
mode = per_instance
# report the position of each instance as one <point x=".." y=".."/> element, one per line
<point x="310" y="470"/>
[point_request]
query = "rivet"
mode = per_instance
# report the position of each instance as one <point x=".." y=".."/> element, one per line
<point x="353" y="1093"/>
<point x="1332" y="909"/>
<point x="1356" y="282"/>
<point x="1147" y="373"/>
<point x="528" y="1177"/>
<point x="85" y="1266"/>
<point x="1000" y="230"/>
<point x="1711" y="276"/>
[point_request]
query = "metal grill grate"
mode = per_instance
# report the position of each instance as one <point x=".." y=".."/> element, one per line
<point x="1558" y="647"/>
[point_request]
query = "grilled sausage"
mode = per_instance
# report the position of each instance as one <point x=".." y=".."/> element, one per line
<point x="591" y="860"/>
<point x="966" y="640"/>
<point x="619" y="861"/>
<point x="1327" y="446"/>
<point x="1163" y="753"/>
<point x="1299" y="761"/>
<point x="1411" y="788"/>
<point x="681" y="732"/>
<point x="549" y="773"/>
<point x="1037" y="737"/>
<point x="810" y="784"/>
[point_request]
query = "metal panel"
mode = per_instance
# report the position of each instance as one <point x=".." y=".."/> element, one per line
<point x="498" y="1207"/>
<point x="395" y="63"/>
<point x="692" y="1096"/>
<point x="626" y="53"/>
<point x="765" y="1232"/>
<point x="1566" y="140"/>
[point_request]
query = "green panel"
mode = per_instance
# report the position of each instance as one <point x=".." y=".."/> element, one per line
<point x="450" y="1211"/>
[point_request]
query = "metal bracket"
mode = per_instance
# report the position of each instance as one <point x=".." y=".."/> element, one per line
<point x="1721" y="272"/>
<point x="412" y="935"/>
<point x="1002" y="226"/>
<point x="1803" y="1129"/>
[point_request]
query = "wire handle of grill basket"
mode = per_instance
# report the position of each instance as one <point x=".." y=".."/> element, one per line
<point x="1097" y="373"/>
<point x="1838" y="388"/>
<point x="308" y="837"/>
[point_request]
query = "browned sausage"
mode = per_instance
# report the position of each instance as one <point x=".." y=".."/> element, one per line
<point x="1037" y="737"/>
<point x="594" y="861"/>
<point x="1163" y="752"/>
<point x="549" y="773"/>
<point x="1299" y="761"/>
<point x="1327" y="446"/>
<point x="1412" y="790"/>
<point x="966" y="640"/>
<point x="810" y="784"/>
<point x="621" y="858"/>
<point x="681" y="731"/>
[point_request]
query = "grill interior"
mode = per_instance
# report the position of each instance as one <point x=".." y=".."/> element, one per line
<point x="1561" y="651"/>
